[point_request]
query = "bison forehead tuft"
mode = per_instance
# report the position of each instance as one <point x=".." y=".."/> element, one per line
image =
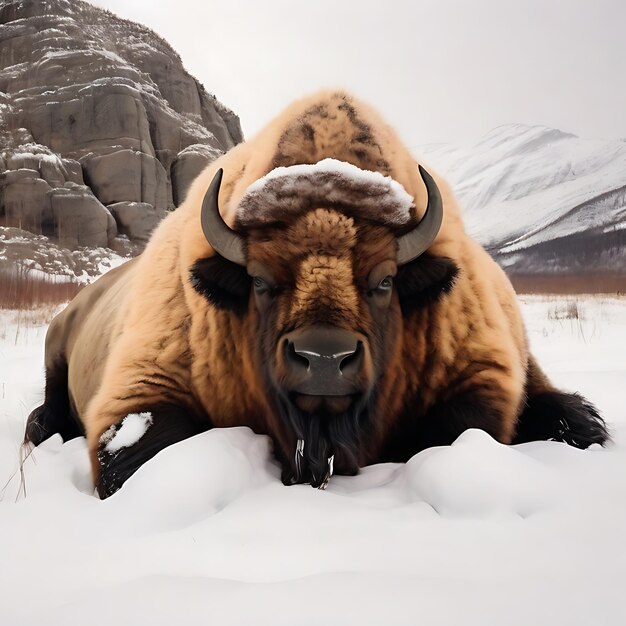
<point x="325" y="232"/>
<point x="325" y="280"/>
<point x="325" y="286"/>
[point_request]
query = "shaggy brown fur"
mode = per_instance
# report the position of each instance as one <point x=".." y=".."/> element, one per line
<point x="443" y="354"/>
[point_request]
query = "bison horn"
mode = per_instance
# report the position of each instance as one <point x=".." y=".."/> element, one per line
<point x="223" y="239"/>
<point x="414" y="243"/>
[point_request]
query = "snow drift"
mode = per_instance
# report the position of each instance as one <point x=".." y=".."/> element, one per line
<point x="474" y="533"/>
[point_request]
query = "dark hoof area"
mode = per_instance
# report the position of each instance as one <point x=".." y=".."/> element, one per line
<point x="43" y="422"/>
<point x="36" y="429"/>
<point x="566" y="417"/>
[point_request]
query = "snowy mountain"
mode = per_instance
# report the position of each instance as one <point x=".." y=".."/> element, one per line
<point x="101" y="127"/>
<point x="540" y="200"/>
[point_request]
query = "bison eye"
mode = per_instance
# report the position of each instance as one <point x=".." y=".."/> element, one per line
<point x="260" y="286"/>
<point x="385" y="284"/>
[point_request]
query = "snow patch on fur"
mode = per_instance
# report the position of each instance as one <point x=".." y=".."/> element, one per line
<point x="327" y="184"/>
<point x="132" y="429"/>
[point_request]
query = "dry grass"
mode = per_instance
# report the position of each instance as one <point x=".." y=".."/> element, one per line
<point x="566" y="284"/>
<point x="21" y="289"/>
<point x="567" y="310"/>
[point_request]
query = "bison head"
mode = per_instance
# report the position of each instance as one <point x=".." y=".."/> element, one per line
<point x="325" y="292"/>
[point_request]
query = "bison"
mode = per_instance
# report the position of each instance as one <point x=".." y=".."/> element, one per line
<point x="318" y="286"/>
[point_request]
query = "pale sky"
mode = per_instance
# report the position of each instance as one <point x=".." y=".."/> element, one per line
<point x="438" y="70"/>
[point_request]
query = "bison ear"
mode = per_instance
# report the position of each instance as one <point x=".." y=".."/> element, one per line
<point x="424" y="280"/>
<point x="223" y="283"/>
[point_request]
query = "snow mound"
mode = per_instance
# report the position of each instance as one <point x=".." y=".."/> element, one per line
<point x="479" y="477"/>
<point x="192" y="480"/>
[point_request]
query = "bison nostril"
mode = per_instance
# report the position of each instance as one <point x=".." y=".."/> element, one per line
<point x="350" y="364"/>
<point x="322" y="361"/>
<point x="294" y="357"/>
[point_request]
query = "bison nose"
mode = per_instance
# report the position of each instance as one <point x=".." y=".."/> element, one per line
<point x="323" y="360"/>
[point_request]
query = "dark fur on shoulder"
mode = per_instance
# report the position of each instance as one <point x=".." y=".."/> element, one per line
<point x="221" y="282"/>
<point x="424" y="280"/>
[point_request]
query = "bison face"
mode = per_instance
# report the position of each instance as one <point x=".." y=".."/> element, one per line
<point x="325" y="296"/>
<point x="326" y="314"/>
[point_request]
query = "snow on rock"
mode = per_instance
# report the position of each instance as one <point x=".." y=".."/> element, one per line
<point x="23" y="253"/>
<point x="476" y="533"/>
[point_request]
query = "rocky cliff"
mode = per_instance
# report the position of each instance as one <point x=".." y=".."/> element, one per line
<point x="102" y="129"/>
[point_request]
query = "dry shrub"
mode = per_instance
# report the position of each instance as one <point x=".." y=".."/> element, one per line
<point x="565" y="311"/>
<point x="569" y="283"/>
<point x="23" y="289"/>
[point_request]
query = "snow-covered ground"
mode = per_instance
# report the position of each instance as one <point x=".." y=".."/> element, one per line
<point x="205" y="533"/>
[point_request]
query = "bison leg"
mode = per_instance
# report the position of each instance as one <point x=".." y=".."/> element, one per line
<point x="55" y="415"/>
<point x="560" y="416"/>
<point x="470" y="409"/>
<point x="124" y="447"/>
<point x="489" y="409"/>
<point x="552" y="414"/>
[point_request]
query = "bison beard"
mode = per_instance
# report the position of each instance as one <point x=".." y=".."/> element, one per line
<point x="325" y="436"/>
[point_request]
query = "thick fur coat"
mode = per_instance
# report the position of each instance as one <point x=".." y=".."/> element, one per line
<point x="145" y="336"/>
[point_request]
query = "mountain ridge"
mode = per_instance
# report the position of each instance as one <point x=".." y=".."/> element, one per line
<point x="536" y="197"/>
